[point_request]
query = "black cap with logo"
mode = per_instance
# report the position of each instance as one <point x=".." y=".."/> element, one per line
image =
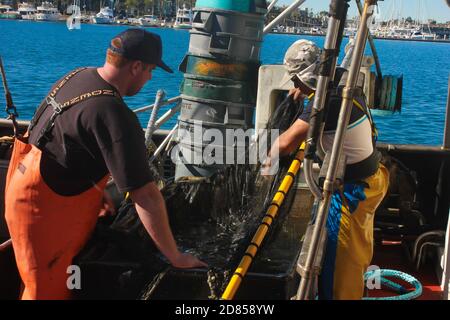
<point x="139" y="44"/>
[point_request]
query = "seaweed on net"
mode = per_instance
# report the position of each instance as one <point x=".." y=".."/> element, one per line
<point x="212" y="222"/>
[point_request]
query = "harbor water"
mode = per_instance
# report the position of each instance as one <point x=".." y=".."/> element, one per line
<point x="37" y="54"/>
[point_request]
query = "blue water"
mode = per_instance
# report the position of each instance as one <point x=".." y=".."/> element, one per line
<point x="37" y="54"/>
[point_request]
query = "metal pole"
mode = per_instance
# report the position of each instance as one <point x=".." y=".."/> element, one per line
<point x="164" y="103"/>
<point x="151" y="122"/>
<point x="348" y="56"/>
<point x="336" y="24"/>
<point x="164" y="143"/>
<point x="5" y="245"/>
<point x="282" y="15"/>
<point x="445" y="282"/>
<point x="319" y="228"/>
<point x="447" y="120"/>
<point x="271" y="5"/>
<point x="10" y="108"/>
<point x="5" y="83"/>
<point x="166" y="116"/>
<point x="372" y="45"/>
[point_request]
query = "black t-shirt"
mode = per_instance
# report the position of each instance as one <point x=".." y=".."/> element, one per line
<point x="90" y="139"/>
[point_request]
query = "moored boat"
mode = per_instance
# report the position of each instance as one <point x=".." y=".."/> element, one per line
<point x="183" y="19"/>
<point x="27" y="11"/>
<point x="47" y="12"/>
<point x="105" y="16"/>
<point x="6" y="12"/>
<point x="149" y="21"/>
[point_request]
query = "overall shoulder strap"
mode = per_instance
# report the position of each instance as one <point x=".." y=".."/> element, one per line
<point x="53" y="93"/>
<point x="361" y="104"/>
<point x="45" y="134"/>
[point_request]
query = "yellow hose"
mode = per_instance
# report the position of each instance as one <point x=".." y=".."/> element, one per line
<point x="263" y="228"/>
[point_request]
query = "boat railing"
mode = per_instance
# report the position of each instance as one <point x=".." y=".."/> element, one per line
<point x="166" y="116"/>
<point x="154" y="125"/>
<point x="166" y="102"/>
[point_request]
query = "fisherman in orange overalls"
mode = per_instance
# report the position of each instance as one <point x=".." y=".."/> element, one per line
<point x="82" y="132"/>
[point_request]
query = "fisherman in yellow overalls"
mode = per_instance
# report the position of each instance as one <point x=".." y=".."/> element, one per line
<point x="350" y="219"/>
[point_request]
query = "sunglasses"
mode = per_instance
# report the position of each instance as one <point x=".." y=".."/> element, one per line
<point x="297" y="82"/>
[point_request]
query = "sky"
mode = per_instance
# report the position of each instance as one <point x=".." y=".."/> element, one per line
<point x="430" y="9"/>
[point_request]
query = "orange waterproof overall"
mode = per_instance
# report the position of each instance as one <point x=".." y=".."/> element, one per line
<point x="47" y="229"/>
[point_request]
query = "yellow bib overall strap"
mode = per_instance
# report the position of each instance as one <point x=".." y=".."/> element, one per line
<point x="366" y="112"/>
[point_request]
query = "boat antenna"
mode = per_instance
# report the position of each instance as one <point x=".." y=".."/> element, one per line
<point x="10" y="108"/>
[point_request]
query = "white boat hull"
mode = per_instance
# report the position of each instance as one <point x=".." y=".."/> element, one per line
<point x="47" y="17"/>
<point x="182" y="26"/>
<point x="99" y="20"/>
<point x="148" y="24"/>
<point x="28" y="17"/>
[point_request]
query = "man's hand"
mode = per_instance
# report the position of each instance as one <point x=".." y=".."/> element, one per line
<point x="187" y="260"/>
<point x="108" y="208"/>
<point x="265" y="167"/>
<point x="297" y="94"/>
<point x="152" y="211"/>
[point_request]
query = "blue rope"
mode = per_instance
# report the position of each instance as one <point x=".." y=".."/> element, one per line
<point x="405" y="294"/>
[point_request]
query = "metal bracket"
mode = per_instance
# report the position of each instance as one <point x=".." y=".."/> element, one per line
<point x="56" y="106"/>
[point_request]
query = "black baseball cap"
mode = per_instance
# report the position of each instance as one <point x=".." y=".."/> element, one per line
<point x="139" y="44"/>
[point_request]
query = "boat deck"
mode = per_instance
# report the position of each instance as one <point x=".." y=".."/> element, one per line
<point x="391" y="255"/>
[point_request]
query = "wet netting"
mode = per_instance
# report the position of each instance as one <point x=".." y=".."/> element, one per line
<point x="213" y="218"/>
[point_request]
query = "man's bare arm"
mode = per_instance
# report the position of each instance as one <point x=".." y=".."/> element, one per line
<point x="152" y="211"/>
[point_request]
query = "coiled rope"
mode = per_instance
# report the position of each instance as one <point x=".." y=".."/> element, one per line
<point x="405" y="294"/>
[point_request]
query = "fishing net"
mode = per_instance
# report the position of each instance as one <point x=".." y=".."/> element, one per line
<point x="213" y="218"/>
